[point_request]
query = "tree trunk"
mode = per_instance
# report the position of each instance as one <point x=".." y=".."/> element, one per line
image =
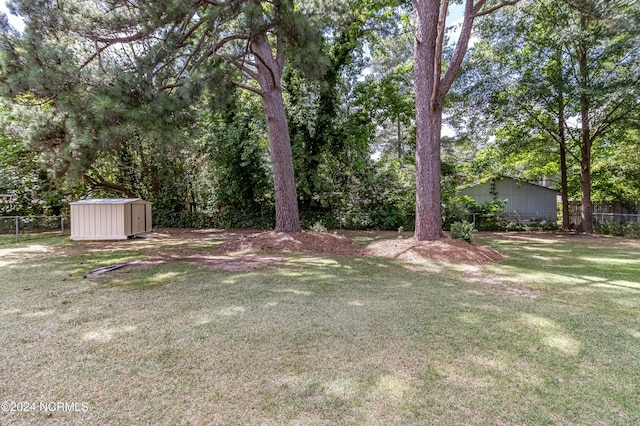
<point x="428" y="203"/>
<point x="562" y="141"/>
<point x="287" y="216"/>
<point x="585" y="178"/>
<point x="270" y="78"/>
<point x="431" y="86"/>
<point x="586" y="142"/>
<point x="399" y="138"/>
<point x="428" y="125"/>
<point x="564" y="186"/>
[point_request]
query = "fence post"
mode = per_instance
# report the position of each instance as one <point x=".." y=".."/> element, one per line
<point x="17" y="229"/>
<point x="62" y="225"/>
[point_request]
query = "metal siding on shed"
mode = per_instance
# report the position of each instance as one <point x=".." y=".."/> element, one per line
<point x="137" y="218"/>
<point x="119" y="220"/>
<point x="84" y="220"/>
<point x="148" y="221"/>
<point x="127" y="219"/>
<point x="96" y="220"/>
<point x="75" y="225"/>
<point x="526" y="199"/>
<point x="480" y="193"/>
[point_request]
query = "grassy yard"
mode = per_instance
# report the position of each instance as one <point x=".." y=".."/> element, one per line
<point x="551" y="335"/>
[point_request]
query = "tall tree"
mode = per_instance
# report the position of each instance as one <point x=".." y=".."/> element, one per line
<point x="431" y="86"/>
<point x="239" y="170"/>
<point x="605" y="56"/>
<point x="516" y="82"/>
<point x="327" y="125"/>
<point x="568" y="77"/>
<point x="170" y="50"/>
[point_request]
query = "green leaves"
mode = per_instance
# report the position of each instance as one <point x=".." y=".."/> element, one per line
<point x="527" y="78"/>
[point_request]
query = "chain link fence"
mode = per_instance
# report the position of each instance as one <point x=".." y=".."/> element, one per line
<point x="32" y="227"/>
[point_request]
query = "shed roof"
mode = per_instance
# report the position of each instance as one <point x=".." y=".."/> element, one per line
<point x="108" y="201"/>
<point x="519" y="182"/>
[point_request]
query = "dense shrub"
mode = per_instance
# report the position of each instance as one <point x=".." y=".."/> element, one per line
<point x="318" y="227"/>
<point x="631" y="229"/>
<point x="487" y="216"/>
<point x="389" y="218"/>
<point x="456" y="209"/>
<point x="514" y="226"/>
<point x="610" y="228"/>
<point x="462" y="231"/>
<point x="308" y="219"/>
<point x="380" y="219"/>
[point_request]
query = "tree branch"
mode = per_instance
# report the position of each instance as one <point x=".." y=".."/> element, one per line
<point x="244" y="67"/>
<point x="169" y="87"/>
<point x="264" y="63"/>
<point x="196" y="49"/>
<point x="576" y="142"/>
<point x="610" y="120"/>
<point x="97" y="53"/>
<point x="280" y="48"/>
<point x="496" y="7"/>
<point x="120" y="40"/>
<point x="219" y="45"/>
<point x="544" y="127"/>
<point x="100" y="183"/>
<point x="193" y="29"/>
<point x="249" y="88"/>
<point x="437" y="63"/>
<point x="460" y="49"/>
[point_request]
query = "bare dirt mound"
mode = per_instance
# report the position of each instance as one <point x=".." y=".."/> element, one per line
<point x="443" y="250"/>
<point x="300" y="242"/>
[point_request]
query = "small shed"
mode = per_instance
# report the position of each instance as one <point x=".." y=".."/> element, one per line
<point x="524" y="200"/>
<point x="109" y="218"/>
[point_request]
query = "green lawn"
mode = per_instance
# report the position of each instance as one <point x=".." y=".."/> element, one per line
<point x="551" y="335"/>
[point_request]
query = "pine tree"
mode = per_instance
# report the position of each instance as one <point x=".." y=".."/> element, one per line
<point x="431" y="86"/>
<point x="140" y="62"/>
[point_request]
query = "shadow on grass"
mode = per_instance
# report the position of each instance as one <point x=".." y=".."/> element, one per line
<point x="571" y="262"/>
<point x="321" y="340"/>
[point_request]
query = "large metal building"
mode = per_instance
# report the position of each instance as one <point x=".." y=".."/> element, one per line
<point x="524" y="200"/>
<point x="109" y="219"/>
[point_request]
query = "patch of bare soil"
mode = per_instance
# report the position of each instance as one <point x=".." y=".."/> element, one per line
<point x="198" y="247"/>
<point x="298" y="242"/>
<point x="443" y="250"/>
<point x="160" y="238"/>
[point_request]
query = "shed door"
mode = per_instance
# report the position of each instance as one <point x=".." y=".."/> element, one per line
<point x="138" y="218"/>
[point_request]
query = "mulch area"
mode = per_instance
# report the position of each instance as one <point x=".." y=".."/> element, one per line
<point x="407" y="249"/>
<point x="245" y="250"/>
<point x="295" y="242"/>
<point x="443" y="250"/>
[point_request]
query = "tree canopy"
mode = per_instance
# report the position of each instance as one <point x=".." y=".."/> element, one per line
<point x="290" y="114"/>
